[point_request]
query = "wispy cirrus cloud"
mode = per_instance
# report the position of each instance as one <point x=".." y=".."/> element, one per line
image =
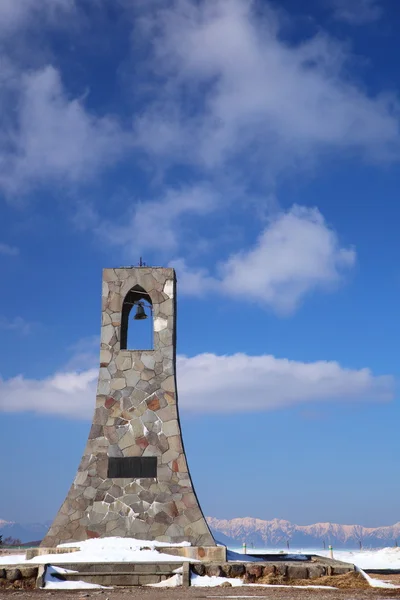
<point x="48" y="136"/>
<point x="256" y="102"/>
<point x="18" y="14"/>
<point x="356" y="12"/>
<point x="256" y="107"/>
<point x="230" y="89"/>
<point x="52" y="138"/>
<point x="8" y="250"/>
<point x="157" y="225"/>
<point x="296" y="253"/>
<point x="17" y="324"/>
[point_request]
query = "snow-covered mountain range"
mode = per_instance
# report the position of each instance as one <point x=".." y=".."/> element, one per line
<point x="278" y="533"/>
<point x="26" y="532"/>
<point x="261" y="534"/>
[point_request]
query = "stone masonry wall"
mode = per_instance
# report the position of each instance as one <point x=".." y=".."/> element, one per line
<point x="136" y="415"/>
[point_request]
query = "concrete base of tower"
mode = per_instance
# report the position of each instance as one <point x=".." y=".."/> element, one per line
<point x="202" y="553"/>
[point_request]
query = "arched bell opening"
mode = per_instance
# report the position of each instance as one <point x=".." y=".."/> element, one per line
<point x="137" y="320"/>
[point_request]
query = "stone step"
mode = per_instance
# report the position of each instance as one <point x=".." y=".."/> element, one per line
<point x="121" y="567"/>
<point x="116" y="579"/>
<point x="119" y="574"/>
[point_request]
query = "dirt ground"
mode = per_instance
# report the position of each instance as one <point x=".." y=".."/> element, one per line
<point x="195" y="593"/>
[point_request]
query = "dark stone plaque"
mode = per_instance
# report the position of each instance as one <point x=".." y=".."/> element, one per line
<point x="132" y="467"/>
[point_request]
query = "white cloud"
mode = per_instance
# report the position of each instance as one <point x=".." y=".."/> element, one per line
<point x="84" y="354"/>
<point x="235" y="89"/>
<point x="159" y="224"/>
<point x="255" y="97"/>
<point x="53" y="137"/>
<point x="297" y="253"/>
<point x="194" y="281"/>
<point x="46" y="136"/>
<point x="68" y="394"/>
<point x="8" y="250"/>
<point x="17" y="324"/>
<point x="210" y="384"/>
<point x="242" y="383"/>
<point x="357" y="12"/>
<point x="17" y="14"/>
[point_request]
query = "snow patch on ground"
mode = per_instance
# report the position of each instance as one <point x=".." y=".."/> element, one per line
<point x="111" y="549"/>
<point x="208" y="581"/>
<point x="174" y="581"/>
<point x="178" y="570"/>
<point x="12" y="559"/>
<point x="377" y="583"/>
<point x="122" y="543"/>
<point x="383" y="558"/>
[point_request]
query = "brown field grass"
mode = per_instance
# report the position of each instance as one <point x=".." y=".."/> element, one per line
<point x="348" y="581"/>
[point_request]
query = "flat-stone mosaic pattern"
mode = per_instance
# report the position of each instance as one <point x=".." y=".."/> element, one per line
<point x="136" y="415"/>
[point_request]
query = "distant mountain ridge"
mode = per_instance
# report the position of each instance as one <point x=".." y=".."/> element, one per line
<point x="260" y="533"/>
<point x="277" y="533"/>
<point x="26" y="532"/>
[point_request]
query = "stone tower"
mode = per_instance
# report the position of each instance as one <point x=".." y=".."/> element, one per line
<point x="133" y="480"/>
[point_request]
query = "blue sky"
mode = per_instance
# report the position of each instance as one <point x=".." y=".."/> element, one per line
<point x="254" y="146"/>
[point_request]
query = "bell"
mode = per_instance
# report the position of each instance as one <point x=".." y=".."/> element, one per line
<point x="140" y="312"/>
